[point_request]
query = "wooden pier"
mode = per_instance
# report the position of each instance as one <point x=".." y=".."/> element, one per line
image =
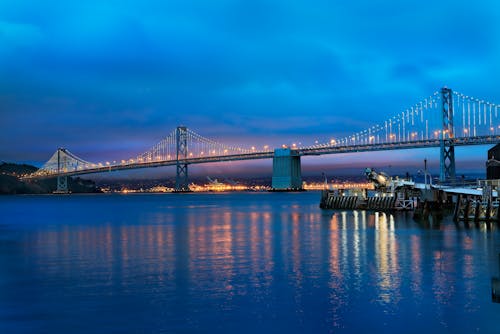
<point x="476" y="209"/>
<point x="338" y="200"/>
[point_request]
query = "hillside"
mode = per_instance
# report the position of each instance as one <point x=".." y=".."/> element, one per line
<point x="10" y="182"/>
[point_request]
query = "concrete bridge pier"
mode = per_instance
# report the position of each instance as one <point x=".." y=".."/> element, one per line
<point x="286" y="170"/>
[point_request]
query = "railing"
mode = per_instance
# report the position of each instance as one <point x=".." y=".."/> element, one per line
<point x="491" y="183"/>
<point x="458" y="183"/>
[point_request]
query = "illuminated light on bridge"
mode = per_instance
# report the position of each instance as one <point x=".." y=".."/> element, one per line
<point x="337" y="185"/>
<point x="444" y="119"/>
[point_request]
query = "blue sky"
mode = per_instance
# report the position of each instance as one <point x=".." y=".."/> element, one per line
<point x="108" y="79"/>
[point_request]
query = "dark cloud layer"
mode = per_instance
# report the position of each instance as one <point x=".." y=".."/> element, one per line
<point x="108" y="79"/>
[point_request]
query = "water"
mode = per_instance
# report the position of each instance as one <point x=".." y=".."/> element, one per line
<point x="246" y="263"/>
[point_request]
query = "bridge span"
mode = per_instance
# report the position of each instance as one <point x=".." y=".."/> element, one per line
<point x="445" y="119"/>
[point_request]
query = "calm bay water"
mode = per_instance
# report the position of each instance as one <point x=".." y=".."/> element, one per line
<point x="245" y="262"/>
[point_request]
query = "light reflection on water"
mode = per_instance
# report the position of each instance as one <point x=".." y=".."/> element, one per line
<point x="238" y="262"/>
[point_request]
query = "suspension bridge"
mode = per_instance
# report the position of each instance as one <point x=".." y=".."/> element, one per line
<point x="444" y="119"/>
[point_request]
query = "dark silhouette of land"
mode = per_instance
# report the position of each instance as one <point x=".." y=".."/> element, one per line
<point x="11" y="182"/>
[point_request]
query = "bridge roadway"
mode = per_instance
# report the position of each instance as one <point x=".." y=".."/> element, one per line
<point x="313" y="150"/>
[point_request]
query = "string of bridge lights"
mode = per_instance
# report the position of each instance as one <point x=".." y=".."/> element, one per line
<point x="423" y="121"/>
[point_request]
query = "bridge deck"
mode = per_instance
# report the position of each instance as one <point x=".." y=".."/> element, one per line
<point x="313" y="150"/>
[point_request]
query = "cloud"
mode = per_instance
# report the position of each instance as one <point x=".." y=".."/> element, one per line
<point x="120" y="74"/>
<point x="14" y="35"/>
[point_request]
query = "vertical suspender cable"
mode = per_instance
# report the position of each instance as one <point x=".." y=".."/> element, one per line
<point x="463" y="116"/>
<point x="474" y="118"/>
<point x="479" y="112"/>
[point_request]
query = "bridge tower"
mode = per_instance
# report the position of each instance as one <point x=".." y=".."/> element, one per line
<point x="286" y="170"/>
<point x="62" y="181"/>
<point x="181" y="177"/>
<point x="447" y="147"/>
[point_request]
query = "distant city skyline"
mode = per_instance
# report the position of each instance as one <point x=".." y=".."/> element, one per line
<point x="109" y="80"/>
